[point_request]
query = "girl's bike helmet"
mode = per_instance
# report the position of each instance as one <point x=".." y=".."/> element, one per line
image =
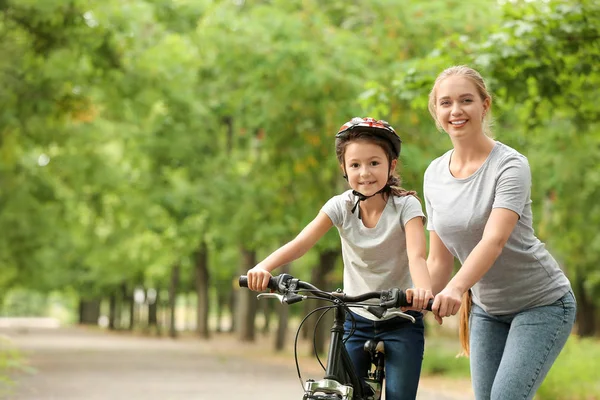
<point x="373" y="126"/>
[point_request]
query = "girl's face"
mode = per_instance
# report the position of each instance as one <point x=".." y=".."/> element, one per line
<point x="459" y="108"/>
<point x="367" y="167"/>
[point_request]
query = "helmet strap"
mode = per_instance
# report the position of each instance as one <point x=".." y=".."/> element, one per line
<point x="362" y="197"/>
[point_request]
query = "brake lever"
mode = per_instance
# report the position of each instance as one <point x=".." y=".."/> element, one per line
<point x="288" y="298"/>
<point x="271" y="296"/>
<point x="397" y="313"/>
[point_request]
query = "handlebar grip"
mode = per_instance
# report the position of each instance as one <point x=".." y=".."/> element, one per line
<point x="273" y="284"/>
<point x="429" y="305"/>
<point x="403" y="301"/>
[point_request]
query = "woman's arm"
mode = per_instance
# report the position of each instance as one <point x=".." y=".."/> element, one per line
<point x="440" y="263"/>
<point x="497" y="230"/>
<point x="416" y="250"/>
<point x="495" y="235"/>
<point x="258" y="277"/>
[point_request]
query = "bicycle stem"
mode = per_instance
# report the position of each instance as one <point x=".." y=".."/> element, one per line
<point x="337" y="330"/>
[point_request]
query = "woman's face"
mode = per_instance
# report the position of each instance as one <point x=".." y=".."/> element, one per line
<point x="459" y="108"/>
<point x="366" y="166"/>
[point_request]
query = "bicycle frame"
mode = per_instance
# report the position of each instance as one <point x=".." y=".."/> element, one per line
<point x="340" y="376"/>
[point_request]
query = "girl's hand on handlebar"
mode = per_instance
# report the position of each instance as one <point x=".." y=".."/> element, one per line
<point x="418" y="297"/>
<point x="258" y="279"/>
<point x="446" y="303"/>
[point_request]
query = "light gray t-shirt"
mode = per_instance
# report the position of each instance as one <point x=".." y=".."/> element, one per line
<point x="374" y="258"/>
<point x="525" y="274"/>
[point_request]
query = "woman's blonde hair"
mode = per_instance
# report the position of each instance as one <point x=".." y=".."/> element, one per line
<point x="473" y="76"/>
<point x="463" y="324"/>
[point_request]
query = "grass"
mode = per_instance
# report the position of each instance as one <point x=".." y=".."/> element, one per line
<point x="574" y="376"/>
<point x="440" y="359"/>
<point x="576" y="373"/>
<point x="10" y="363"/>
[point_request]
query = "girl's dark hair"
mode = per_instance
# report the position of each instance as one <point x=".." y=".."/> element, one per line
<point x="394" y="180"/>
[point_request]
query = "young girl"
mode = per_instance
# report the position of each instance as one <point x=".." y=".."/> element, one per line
<point x="478" y="204"/>
<point x="383" y="246"/>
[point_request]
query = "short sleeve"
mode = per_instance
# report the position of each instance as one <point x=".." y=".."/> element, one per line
<point x="513" y="185"/>
<point x="333" y="209"/>
<point x="428" y="208"/>
<point x="412" y="209"/>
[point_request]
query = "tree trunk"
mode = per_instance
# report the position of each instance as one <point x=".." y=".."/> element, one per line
<point x="233" y="300"/>
<point x="153" y="314"/>
<point x="89" y="311"/>
<point x="173" y="287"/>
<point x="221" y="302"/>
<point x="112" y="311"/>
<point x="123" y="304"/>
<point x="131" y="300"/>
<point x="247" y="303"/>
<point x="319" y="279"/>
<point x="202" y="286"/>
<point x="283" y="312"/>
<point x="267" y="310"/>
<point x="586" y="309"/>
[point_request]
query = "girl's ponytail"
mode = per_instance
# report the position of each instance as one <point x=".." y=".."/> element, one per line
<point x="394" y="183"/>
<point x="463" y="324"/>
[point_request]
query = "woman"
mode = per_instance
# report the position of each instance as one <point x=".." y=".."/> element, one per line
<point x="477" y="198"/>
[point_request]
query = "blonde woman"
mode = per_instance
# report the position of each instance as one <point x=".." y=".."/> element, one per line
<point x="477" y="199"/>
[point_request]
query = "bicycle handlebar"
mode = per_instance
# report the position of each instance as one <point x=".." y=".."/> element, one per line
<point x="285" y="283"/>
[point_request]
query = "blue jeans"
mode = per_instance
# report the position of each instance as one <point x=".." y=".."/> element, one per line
<point x="512" y="354"/>
<point x="404" y="346"/>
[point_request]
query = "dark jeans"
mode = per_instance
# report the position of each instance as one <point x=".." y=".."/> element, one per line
<point x="404" y="346"/>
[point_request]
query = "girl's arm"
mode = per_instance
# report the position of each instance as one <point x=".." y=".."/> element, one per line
<point x="497" y="230"/>
<point x="416" y="250"/>
<point x="258" y="277"/>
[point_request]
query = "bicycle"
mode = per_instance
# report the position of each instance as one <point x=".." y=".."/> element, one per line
<point x="341" y="381"/>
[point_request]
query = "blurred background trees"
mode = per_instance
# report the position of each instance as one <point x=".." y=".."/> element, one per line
<point x="154" y="150"/>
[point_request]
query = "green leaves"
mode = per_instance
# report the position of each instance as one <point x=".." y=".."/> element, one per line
<point x="166" y="123"/>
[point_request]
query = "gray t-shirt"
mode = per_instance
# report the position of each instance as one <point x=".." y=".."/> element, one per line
<point x="525" y="274"/>
<point x="374" y="258"/>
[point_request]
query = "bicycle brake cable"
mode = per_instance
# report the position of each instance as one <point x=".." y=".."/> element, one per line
<point x="326" y="308"/>
<point x="315" y="335"/>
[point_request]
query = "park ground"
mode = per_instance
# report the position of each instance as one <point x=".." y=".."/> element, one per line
<point x="90" y="364"/>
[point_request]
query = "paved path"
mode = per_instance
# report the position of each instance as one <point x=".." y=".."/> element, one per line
<point x="79" y="364"/>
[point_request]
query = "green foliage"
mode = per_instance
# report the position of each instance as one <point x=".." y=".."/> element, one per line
<point x="440" y="358"/>
<point x="11" y="362"/>
<point x="574" y="376"/>
<point x="23" y="302"/>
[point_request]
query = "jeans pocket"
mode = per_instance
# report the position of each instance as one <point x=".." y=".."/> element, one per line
<point x="568" y="300"/>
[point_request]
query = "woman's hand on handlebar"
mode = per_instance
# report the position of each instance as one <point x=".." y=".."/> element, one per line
<point x="446" y="303"/>
<point x="418" y="297"/>
<point x="258" y="279"/>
